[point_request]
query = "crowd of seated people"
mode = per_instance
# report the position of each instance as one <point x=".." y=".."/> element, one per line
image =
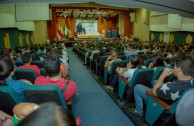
<point x="175" y="60"/>
<point x="54" y="59"/>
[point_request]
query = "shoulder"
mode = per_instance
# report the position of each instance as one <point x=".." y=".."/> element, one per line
<point x="14" y="82"/>
<point x="40" y="79"/>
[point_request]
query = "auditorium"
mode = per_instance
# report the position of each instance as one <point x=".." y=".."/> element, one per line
<point x="96" y="63"/>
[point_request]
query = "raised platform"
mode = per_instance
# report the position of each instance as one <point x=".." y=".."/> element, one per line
<point x="86" y="39"/>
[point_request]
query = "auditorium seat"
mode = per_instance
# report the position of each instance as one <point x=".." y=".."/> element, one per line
<point x="109" y="75"/>
<point x="47" y="93"/>
<point x="19" y="63"/>
<point x="141" y="76"/>
<point x="9" y="98"/>
<point x="100" y="66"/>
<point x="27" y="74"/>
<point x="147" y="62"/>
<point x="37" y="63"/>
<point x="159" y="111"/>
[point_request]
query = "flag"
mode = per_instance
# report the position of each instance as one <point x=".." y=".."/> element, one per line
<point x="59" y="33"/>
<point x="65" y="31"/>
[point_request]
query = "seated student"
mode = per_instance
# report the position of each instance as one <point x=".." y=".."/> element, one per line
<point x="134" y="63"/>
<point x="19" y="56"/>
<point x="156" y="62"/>
<point x="27" y="59"/>
<point x="64" y="64"/>
<point x="169" y="91"/>
<point x="6" y="73"/>
<point x="49" y="114"/>
<point x="112" y="57"/>
<point x="52" y="67"/>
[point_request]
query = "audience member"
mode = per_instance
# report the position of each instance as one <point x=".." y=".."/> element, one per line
<point x="170" y="91"/>
<point x="27" y="59"/>
<point x="6" y="73"/>
<point x="112" y="57"/>
<point x="133" y="64"/>
<point x="52" y="67"/>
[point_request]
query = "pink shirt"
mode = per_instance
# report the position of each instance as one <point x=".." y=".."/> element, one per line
<point x="69" y="92"/>
<point x="34" y="67"/>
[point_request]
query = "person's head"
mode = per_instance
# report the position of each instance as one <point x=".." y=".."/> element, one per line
<point x="27" y="57"/>
<point x="130" y="47"/>
<point x="183" y="65"/>
<point x="6" y="52"/>
<point x="134" y="61"/>
<point x="113" y="53"/>
<point x="157" y="61"/>
<point x="52" y="64"/>
<point x="49" y="114"/>
<point x="18" y="54"/>
<point x="6" y="68"/>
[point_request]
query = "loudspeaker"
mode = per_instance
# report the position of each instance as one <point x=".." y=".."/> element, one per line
<point x="147" y="18"/>
<point x="132" y="17"/>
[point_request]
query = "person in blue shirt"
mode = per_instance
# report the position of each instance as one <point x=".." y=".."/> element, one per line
<point x="130" y="51"/>
<point x="6" y="73"/>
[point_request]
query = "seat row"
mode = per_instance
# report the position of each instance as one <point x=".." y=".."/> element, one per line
<point x="157" y="110"/>
<point x="34" y="94"/>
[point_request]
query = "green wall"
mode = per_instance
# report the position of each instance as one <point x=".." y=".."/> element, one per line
<point x="179" y="36"/>
<point x="13" y="36"/>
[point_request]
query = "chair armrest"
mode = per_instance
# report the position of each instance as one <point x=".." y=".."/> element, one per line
<point x="124" y="79"/>
<point x="160" y="101"/>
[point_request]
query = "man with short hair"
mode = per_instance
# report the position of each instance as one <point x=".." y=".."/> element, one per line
<point x="52" y="66"/>
<point x="27" y="59"/>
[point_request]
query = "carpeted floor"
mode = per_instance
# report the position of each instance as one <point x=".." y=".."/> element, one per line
<point x="93" y="104"/>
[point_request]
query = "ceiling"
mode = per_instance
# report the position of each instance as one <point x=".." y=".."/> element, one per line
<point x="182" y="7"/>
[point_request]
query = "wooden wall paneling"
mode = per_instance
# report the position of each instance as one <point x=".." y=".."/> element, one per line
<point x="127" y="24"/>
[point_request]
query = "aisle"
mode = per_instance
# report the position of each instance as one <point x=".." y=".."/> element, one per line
<point x="93" y="104"/>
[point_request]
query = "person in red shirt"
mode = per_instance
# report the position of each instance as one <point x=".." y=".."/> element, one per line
<point x="52" y="67"/>
<point x="27" y="59"/>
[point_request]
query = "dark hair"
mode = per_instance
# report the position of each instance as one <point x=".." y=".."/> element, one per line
<point x="135" y="61"/>
<point x="158" y="61"/>
<point x="26" y="57"/>
<point x="52" y="64"/>
<point x="34" y="56"/>
<point x="186" y="63"/>
<point x="6" y="67"/>
<point x="49" y="114"/>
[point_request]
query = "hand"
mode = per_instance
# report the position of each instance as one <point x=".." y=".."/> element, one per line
<point x="26" y="81"/>
<point x="118" y="68"/>
<point x="167" y="72"/>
